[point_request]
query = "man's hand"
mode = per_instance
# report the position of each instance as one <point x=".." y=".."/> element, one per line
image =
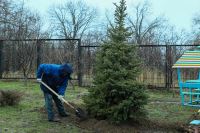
<point x="39" y="80"/>
<point x="60" y="97"/>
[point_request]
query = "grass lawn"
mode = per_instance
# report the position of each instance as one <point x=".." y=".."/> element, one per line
<point x="164" y="107"/>
<point x="25" y="117"/>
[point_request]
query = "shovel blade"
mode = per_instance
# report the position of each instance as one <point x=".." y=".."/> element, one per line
<point x="81" y="114"/>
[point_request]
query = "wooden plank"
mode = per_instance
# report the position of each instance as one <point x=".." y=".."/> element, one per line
<point x="189" y="93"/>
<point x="190" y="59"/>
<point x="190" y="56"/>
<point x="187" y="62"/>
<point x="185" y="66"/>
<point x="191" y="53"/>
<point x="187" y="52"/>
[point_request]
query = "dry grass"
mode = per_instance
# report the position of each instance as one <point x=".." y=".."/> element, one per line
<point x="10" y="97"/>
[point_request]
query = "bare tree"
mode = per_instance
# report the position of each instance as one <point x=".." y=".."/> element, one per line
<point x="196" y="29"/>
<point x="139" y="24"/>
<point x="17" y="22"/>
<point x="6" y="18"/>
<point x="93" y="38"/>
<point x="27" y="25"/>
<point x="72" y="19"/>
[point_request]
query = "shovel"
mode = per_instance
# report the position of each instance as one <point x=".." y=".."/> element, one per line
<point x="78" y="111"/>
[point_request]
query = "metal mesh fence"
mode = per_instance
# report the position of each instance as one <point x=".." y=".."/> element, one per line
<point x="157" y="62"/>
<point x="20" y="58"/>
<point x="88" y="61"/>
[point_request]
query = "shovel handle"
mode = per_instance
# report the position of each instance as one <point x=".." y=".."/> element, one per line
<point x="57" y="94"/>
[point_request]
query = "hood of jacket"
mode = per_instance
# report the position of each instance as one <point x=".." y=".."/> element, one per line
<point x="65" y="70"/>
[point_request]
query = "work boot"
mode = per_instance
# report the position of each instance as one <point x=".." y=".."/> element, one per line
<point x="66" y="114"/>
<point x="55" y="120"/>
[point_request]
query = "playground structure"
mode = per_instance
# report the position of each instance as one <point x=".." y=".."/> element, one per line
<point x="189" y="89"/>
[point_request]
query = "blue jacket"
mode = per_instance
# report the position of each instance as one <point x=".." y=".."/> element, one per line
<point x="55" y="76"/>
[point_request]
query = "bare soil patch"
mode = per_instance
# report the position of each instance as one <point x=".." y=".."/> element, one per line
<point x="103" y="126"/>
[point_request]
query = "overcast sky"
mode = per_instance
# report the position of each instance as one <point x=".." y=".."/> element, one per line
<point x="178" y="12"/>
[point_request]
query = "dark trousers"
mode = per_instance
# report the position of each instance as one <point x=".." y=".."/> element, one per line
<point x="49" y="97"/>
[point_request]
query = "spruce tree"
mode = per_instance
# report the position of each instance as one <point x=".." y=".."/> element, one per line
<point x="116" y="95"/>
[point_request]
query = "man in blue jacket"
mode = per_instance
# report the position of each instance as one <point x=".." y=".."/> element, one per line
<point x="56" y="77"/>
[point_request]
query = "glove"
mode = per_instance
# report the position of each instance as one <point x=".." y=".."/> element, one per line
<point x="39" y="80"/>
<point x="60" y="97"/>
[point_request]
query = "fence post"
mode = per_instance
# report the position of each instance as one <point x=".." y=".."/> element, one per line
<point x="38" y="45"/>
<point x="1" y="58"/>
<point x="168" y="67"/>
<point x="79" y="63"/>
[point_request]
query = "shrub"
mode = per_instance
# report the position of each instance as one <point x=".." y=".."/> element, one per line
<point x="9" y="97"/>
